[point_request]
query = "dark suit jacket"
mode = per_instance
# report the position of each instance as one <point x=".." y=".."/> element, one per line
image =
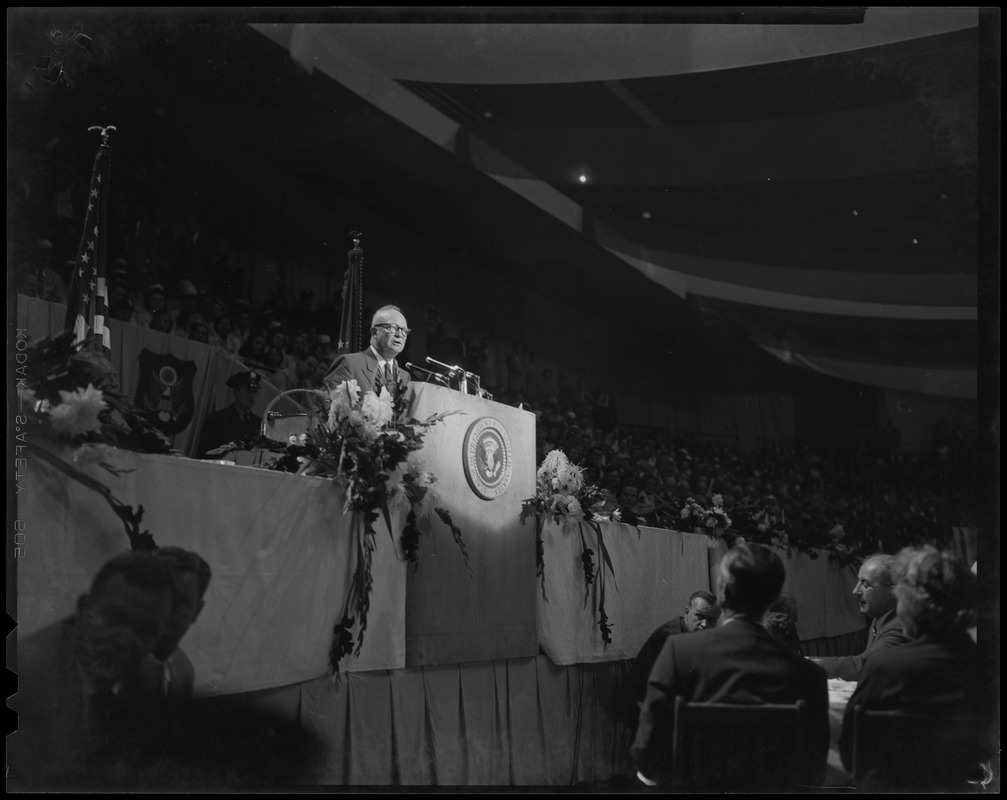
<point x="225" y="426"/>
<point x="634" y="688"/>
<point x="58" y="734"/>
<point x="886" y="631"/>
<point x="363" y="367"/>
<point x="736" y="662"/>
<point x="938" y="677"/>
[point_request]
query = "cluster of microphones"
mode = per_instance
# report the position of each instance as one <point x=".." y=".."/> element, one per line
<point x="453" y="377"/>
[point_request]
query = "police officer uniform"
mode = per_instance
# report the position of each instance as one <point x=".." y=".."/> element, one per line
<point x="232" y="423"/>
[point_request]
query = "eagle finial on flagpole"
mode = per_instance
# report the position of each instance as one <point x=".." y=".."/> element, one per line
<point x="104" y="130"/>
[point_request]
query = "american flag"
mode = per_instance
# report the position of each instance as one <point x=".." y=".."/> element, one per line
<point x="87" y="298"/>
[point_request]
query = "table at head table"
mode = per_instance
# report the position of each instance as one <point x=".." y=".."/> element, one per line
<point x="839" y="695"/>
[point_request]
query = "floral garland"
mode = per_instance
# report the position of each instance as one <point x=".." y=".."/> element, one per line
<point x="561" y="493"/>
<point x="763" y="521"/>
<point x="713" y="520"/>
<point x="68" y="397"/>
<point x="363" y="443"/>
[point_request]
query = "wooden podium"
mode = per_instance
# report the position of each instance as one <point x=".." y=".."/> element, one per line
<point x="484" y="460"/>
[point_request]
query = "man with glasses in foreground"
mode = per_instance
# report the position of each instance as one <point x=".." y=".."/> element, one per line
<point x="876" y="591"/>
<point x="375" y="368"/>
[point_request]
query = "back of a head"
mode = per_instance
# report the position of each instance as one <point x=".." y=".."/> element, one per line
<point x="181" y="560"/>
<point x="750" y="577"/>
<point x="937" y="592"/>
<point x="137" y="568"/>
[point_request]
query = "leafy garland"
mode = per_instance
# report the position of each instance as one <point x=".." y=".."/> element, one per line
<point x="561" y="493"/>
<point x="69" y="396"/>
<point x="363" y="443"/>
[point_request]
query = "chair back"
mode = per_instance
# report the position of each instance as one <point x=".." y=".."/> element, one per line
<point x="295" y="418"/>
<point x="727" y="747"/>
<point x="900" y="751"/>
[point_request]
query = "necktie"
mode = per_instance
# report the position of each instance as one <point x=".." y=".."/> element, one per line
<point x="385" y="375"/>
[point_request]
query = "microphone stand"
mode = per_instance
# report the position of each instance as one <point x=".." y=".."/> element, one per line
<point x="463" y="377"/>
<point x="429" y="373"/>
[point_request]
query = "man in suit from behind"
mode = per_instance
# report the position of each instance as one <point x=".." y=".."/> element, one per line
<point x="738" y="661"/>
<point x="375" y="368"/>
<point x="876" y="591"/>
<point x="700" y="614"/>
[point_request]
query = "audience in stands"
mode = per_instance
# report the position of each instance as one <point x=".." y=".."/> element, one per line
<point x="867" y="490"/>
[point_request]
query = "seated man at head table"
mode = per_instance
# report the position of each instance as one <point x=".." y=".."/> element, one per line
<point x="876" y="591"/>
<point x="235" y="421"/>
<point x="375" y="368"/>
<point x="936" y="673"/>
<point x="700" y="613"/>
<point x="738" y="661"/>
<point x="71" y="675"/>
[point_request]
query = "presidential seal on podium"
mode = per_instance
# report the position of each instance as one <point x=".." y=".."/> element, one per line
<point x="487" y="454"/>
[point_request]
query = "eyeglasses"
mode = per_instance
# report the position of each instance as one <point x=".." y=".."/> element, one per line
<point x="392" y="328"/>
<point x="865" y="585"/>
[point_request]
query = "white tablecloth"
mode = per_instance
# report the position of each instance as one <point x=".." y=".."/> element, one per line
<point x="280" y="547"/>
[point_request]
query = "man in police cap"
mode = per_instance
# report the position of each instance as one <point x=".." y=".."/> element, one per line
<point x="237" y="420"/>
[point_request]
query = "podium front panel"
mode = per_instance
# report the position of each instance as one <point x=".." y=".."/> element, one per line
<point x="484" y="461"/>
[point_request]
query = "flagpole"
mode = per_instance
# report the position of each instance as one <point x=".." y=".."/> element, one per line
<point x="351" y="321"/>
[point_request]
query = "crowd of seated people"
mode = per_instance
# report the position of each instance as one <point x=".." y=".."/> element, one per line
<point x="819" y="494"/>
<point x="868" y="489"/>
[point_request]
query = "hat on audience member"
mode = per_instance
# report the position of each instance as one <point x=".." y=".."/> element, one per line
<point x="323" y="338"/>
<point x="248" y="378"/>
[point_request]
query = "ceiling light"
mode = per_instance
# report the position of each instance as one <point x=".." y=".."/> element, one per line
<point x="583" y="178"/>
<point x="646" y="215"/>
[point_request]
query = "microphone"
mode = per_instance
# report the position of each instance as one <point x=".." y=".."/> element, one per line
<point x="452" y="369"/>
<point x="427" y="372"/>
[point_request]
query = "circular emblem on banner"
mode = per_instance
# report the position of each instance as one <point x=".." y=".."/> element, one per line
<point x="488" y="459"/>
<point x="168" y="376"/>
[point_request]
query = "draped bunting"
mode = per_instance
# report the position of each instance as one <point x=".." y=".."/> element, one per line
<point x="212" y="366"/>
<point x="567" y="52"/>
<point x="281" y="552"/>
<point x="792" y="201"/>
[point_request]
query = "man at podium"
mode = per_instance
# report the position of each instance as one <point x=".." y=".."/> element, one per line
<point x="376" y="367"/>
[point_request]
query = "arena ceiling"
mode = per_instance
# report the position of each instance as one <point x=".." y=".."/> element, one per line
<point x="799" y="183"/>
